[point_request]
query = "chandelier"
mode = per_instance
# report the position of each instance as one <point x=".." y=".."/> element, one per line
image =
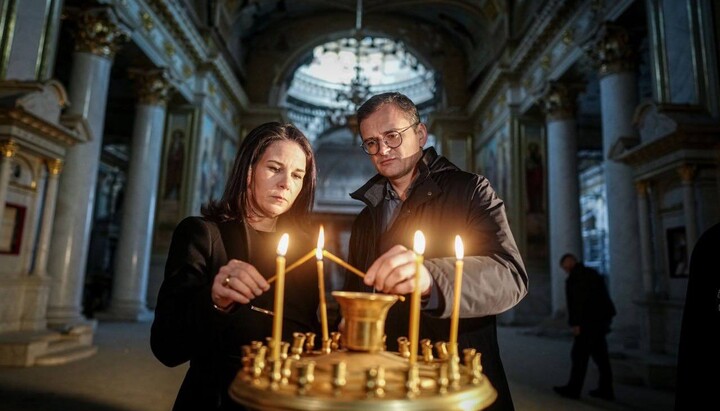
<point x="359" y="89"/>
<point x="358" y="92"/>
<point x="342" y="74"/>
<point x="373" y="53"/>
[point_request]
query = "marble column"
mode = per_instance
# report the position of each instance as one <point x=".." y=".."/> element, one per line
<point x="54" y="167"/>
<point x="97" y="38"/>
<point x="132" y="259"/>
<point x="563" y="192"/>
<point x="645" y="238"/>
<point x="662" y="280"/>
<point x="687" y="176"/>
<point x="618" y="99"/>
<point x="8" y="149"/>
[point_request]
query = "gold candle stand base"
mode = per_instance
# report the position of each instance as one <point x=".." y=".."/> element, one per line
<point x="363" y="377"/>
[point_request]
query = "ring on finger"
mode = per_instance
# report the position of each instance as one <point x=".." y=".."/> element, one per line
<point x="226" y="281"/>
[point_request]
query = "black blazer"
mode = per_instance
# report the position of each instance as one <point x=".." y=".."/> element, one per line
<point x="187" y="327"/>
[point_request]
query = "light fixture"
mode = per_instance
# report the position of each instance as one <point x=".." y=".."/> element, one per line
<point x="343" y="73"/>
<point x="359" y="89"/>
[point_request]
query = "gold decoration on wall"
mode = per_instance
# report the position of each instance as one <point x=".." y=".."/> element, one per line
<point x="212" y="88"/>
<point x="568" y="37"/>
<point x="687" y="173"/>
<point x="147" y="21"/>
<point x="641" y="187"/>
<point x="490" y="10"/>
<point x="54" y="166"/>
<point x="545" y="62"/>
<point x="163" y="11"/>
<point x="169" y="48"/>
<point x="153" y="86"/>
<point x="8" y="148"/>
<point x="98" y="33"/>
<point x="186" y="71"/>
<point x="558" y="101"/>
<point x="611" y="50"/>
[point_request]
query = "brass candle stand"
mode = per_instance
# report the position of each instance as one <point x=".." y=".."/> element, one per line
<point x="353" y="371"/>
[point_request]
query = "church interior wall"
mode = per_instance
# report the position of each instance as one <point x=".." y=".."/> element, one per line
<point x="708" y="197"/>
<point x="661" y="337"/>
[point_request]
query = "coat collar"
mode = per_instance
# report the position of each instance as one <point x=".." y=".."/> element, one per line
<point x="373" y="192"/>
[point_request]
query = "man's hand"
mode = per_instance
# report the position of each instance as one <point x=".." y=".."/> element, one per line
<point x="394" y="272"/>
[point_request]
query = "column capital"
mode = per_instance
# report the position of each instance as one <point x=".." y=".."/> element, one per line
<point x="98" y="32"/>
<point x="153" y="86"/>
<point x="8" y="148"/>
<point x="54" y="166"/>
<point x="559" y="100"/>
<point x="642" y="188"/>
<point x="611" y="50"/>
<point x="687" y="173"/>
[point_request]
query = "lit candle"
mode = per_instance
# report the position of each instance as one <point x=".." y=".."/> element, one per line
<point x="419" y="248"/>
<point x="321" y="283"/>
<point x="459" y="251"/>
<point x="279" y="296"/>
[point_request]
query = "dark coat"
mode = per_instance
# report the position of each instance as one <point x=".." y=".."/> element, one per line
<point x="187" y="327"/>
<point x="445" y="202"/>
<point x="588" y="301"/>
<point x="698" y="358"/>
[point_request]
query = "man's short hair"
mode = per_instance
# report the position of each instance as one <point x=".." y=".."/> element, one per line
<point x="566" y="256"/>
<point x="400" y="101"/>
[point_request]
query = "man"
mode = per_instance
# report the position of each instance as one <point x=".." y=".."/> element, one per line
<point x="417" y="189"/>
<point x="590" y="312"/>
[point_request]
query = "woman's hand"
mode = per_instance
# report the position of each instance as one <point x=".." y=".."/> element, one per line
<point x="237" y="282"/>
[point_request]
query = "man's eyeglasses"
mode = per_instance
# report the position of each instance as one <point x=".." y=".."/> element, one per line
<point x="392" y="139"/>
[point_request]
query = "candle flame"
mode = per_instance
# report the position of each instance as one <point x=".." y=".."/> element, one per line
<point x="283" y="245"/>
<point x="419" y="242"/>
<point x="459" y="250"/>
<point x="320" y="244"/>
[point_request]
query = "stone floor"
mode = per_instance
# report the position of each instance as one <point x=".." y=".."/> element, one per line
<point x="124" y="376"/>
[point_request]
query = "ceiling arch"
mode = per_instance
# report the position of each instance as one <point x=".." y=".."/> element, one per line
<point x="467" y="22"/>
<point x="279" y="50"/>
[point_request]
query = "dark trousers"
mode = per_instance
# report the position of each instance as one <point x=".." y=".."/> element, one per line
<point x="590" y="343"/>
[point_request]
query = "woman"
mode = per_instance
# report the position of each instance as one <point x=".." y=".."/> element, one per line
<point x="218" y="265"/>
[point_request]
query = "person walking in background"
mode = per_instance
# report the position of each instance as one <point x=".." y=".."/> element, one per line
<point x="418" y="189"/>
<point x="219" y="263"/>
<point x="590" y="313"/>
<point x="698" y="359"/>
